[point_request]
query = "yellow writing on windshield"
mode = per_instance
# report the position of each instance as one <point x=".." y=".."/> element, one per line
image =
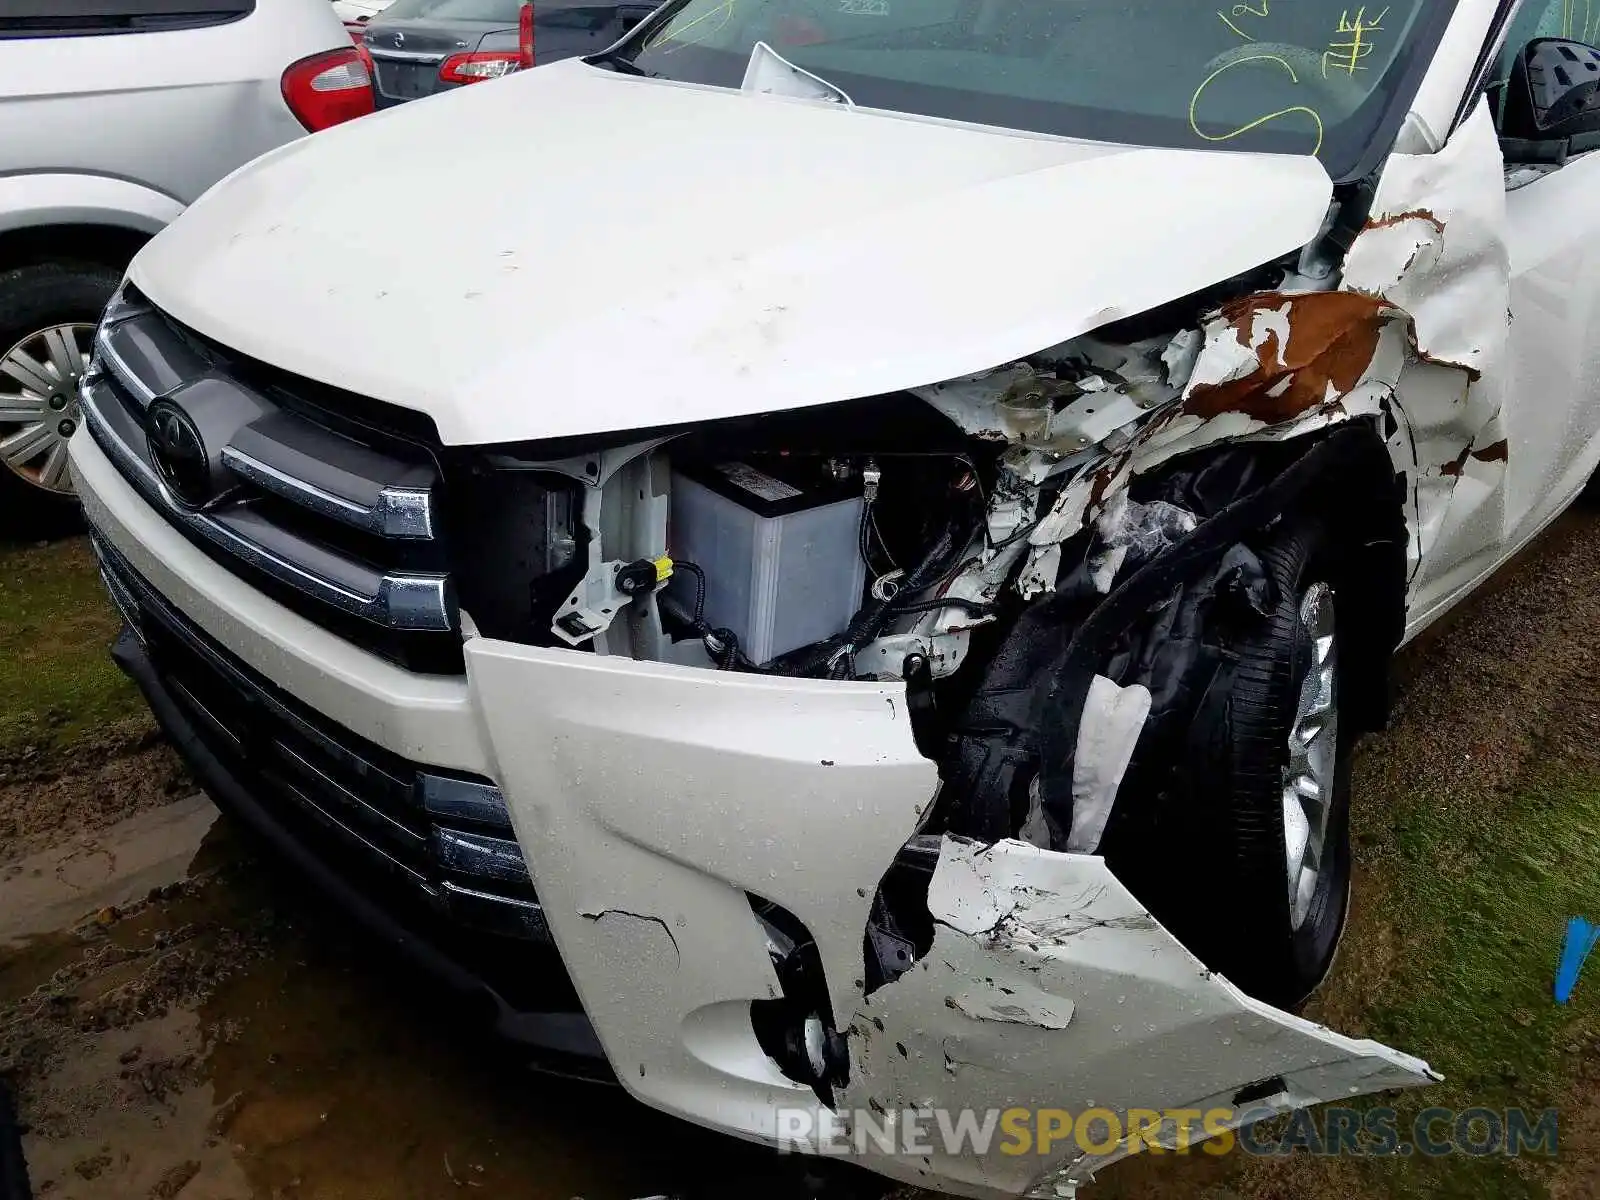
<point x="1241" y="14"/>
<point x="1347" y="55"/>
<point x="718" y="16"/>
<point x="1194" y="103"/>
<point x="1578" y="30"/>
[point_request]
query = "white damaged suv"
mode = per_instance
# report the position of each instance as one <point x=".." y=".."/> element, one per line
<point x="869" y="535"/>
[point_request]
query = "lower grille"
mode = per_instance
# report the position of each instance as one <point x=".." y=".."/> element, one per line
<point x="446" y="839"/>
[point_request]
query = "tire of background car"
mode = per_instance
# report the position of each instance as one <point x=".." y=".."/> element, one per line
<point x="13" y="1170"/>
<point x="1285" y="783"/>
<point x="1589" y="497"/>
<point x="36" y="497"/>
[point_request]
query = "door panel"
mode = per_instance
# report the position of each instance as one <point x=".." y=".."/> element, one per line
<point x="1553" y="405"/>
<point x="1530" y="462"/>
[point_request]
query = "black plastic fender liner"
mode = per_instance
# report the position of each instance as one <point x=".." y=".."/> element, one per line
<point x="1066" y="685"/>
<point x="1020" y="724"/>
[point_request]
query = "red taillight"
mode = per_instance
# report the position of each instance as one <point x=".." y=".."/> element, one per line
<point x="326" y="89"/>
<point x="478" y="66"/>
<point x="525" y="34"/>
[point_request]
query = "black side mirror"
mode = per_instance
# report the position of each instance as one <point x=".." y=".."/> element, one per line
<point x="1553" y="94"/>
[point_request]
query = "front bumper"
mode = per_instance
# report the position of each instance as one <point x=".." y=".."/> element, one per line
<point x="653" y="803"/>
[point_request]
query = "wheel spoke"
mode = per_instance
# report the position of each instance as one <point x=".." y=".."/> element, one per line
<point x="1308" y="776"/>
<point x="28" y="371"/>
<point x="1321" y="699"/>
<point x="54" y="472"/>
<point x="1305" y="891"/>
<point x="1296" y="836"/>
<point x="63" y="352"/>
<point x="22" y="408"/>
<point x="26" y="444"/>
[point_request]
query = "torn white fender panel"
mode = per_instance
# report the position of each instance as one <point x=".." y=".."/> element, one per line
<point x="1101" y="1007"/>
<point x="1436" y="249"/>
<point x="1272" y="365"/>
<point x="1417" y="332"/>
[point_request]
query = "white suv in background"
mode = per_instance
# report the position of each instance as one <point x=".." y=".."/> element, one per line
<point x="115" y="115"/>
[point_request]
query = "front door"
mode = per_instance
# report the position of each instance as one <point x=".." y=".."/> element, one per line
<point x="1552" y="412"/>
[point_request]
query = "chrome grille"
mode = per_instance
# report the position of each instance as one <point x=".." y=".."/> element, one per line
<point x="337" y="519"/>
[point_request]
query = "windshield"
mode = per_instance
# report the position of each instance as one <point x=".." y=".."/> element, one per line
<point x="1281" y="76"/>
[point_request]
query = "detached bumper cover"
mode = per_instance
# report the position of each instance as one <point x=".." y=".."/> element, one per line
<point x="652" y="801"/>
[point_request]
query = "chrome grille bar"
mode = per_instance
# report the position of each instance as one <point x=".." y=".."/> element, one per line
<point x="400" y="601"/>
<point x="399" y="512"/>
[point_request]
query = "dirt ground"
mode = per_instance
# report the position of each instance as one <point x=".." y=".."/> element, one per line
<point x="181" y="1019"/>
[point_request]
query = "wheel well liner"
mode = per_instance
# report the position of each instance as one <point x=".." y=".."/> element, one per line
<point x="107" y="245"/>
<point x="1021" y="723"/>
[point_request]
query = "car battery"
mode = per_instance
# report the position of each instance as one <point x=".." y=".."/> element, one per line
<point x="780" y="555"/>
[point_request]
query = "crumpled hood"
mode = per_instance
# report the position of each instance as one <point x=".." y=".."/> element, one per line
<point x="573" y="251"/>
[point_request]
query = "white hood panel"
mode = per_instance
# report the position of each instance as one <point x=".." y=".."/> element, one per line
<point x="572" y="251"/>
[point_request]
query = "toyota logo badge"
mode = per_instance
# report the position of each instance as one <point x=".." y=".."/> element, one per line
<point x="178" y="452"/>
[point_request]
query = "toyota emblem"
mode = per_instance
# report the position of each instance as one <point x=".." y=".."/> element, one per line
<point x="178" y="452"/>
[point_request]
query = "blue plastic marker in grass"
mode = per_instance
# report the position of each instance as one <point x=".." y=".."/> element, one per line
<point x="1581" y="939"/>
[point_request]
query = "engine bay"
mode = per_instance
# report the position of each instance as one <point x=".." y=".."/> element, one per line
<point x="824" y="543"/>
<point x="833" y="542"/>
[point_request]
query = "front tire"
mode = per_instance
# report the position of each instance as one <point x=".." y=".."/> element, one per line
<point x="48" y="313"/>
<point x="1252" y="871"/>
<point x="1290" y="808"/>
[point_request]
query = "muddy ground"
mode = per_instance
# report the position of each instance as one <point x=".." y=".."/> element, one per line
<point x="180" y="1018"/>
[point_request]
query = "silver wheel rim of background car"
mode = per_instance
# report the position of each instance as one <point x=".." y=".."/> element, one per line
<point x="1313" y="755"/>
<point x="39" y="403"/>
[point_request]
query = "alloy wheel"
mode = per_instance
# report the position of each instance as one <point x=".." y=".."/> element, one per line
<point x="39" y="403"/>
<point x="1308" y="778"/>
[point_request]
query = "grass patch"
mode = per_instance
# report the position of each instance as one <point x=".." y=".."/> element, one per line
<point x="57" y="682"/>
<point x="1492" y="910"/>
<point x="1481" y="901"/>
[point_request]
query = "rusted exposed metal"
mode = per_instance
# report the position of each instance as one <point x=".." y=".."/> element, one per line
<point x="1400" y="218"/>
<point x="1312" y="348"/>
<point x="1494" y="452"/>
